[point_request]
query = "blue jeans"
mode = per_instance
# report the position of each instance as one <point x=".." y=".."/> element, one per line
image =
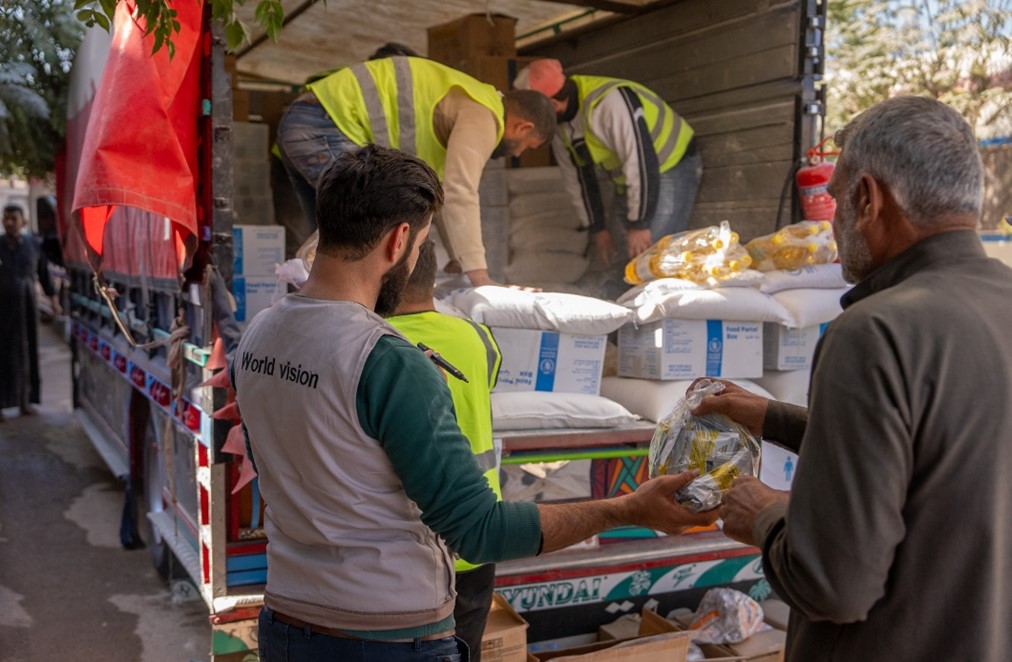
<point x="309" y="141"/>
<point x="280" y="642"/>
<point x="676" y="196"/>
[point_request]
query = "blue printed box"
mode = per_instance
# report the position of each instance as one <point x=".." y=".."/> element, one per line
<point x="256" y="249"/>
<point x="549" y="361"/>
<point x="686" y="349"/>
<point x="790" y="349"/>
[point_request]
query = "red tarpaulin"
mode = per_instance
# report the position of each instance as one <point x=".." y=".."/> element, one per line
<point x="140" y="148"/>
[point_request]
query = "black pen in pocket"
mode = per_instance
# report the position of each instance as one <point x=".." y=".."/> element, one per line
<point x="443" y="363"/>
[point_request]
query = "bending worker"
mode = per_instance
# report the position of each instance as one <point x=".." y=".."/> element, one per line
<point x="629" y="131"/>
<point x="448" y="119"/>
<point x="470" y="347"/>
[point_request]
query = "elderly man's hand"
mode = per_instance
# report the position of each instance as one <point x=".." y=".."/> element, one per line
<point x="742" y="503"/>
<point x="605" y="246"/>
<point x="638" y="241"/>
<point x="736" y="403"/>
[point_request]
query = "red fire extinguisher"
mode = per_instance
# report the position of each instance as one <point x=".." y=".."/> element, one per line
<point x="812" y="179"/>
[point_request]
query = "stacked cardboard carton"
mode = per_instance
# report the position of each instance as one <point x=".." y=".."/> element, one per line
<point x="255" y="251"/>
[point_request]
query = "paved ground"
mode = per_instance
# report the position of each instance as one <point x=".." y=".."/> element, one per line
<point x="68" y="591"/>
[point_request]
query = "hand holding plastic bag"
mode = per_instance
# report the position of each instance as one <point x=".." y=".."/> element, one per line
<point x="720" y="449"/>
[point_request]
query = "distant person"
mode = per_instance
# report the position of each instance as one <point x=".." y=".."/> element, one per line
<point x="625" y="129"/>
<point x="368" y="480"/>
<point x="450" y="120"/>
<point x="895" y="542"/>
<point x="22" y="265"/>
<point x="470" y="347"/>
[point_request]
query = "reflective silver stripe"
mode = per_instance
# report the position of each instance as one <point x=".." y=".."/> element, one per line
<point x="491" y="353"/>
<point x="662" y="115"/>
<point x="405" y="104"/>
<point x="486" y="460"/>
<point x="373" y="105"/>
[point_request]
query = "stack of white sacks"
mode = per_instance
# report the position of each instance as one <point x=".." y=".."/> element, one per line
<point x="553" y="351"/>
<point x="547" y="246"/>
<point x="760" y="334"/>
<point x="553" y="347"/>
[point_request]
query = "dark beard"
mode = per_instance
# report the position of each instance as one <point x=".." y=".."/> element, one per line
<point x="504" y="148"/>
<point x="392" y="287"/>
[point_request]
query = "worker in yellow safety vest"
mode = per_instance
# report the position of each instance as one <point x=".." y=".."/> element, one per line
<point x="470" y="348"/>
<point x="629" y="131"/>
<point x="450" y="120"/>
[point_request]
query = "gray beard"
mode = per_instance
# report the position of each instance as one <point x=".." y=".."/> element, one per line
<point x="855" y="256"/>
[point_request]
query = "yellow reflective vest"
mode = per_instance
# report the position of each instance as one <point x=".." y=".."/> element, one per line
<point x="470" y="347"/>
<point x="670" y="133"/>
<point x="391" y="101"/>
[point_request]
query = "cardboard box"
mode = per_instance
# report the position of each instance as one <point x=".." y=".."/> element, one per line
<point x="668" y="646"/>
<point x="790" y="349"/>
<point x="256" y="249"/>
<point x="686" y="349"/>
<point x="765" y="646"/>
<point x="505" y="637"/>
<point x="497" y="70"/>
<point x="252" y="294"/>
<point x="549" y="361"/>
<point x="653" y="623"/>
<point x="474" y="34"/>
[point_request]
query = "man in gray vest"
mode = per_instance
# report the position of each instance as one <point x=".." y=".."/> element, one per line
<point x="369" y="483"/>
<point x="898" y="541"/>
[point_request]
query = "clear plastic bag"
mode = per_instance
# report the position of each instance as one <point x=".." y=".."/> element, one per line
<point x="700" y="256"/>
<point x="720" y="449"/>
<point x="794" y="246"/>
<point x="726" y="616"/>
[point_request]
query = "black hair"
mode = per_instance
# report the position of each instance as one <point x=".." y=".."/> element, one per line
<point x="534" y="107"/>
<point x="14" y="209"/>
<point x="391" y="49"/>
<point x="365" y="193"/>
<point x="422" y="282"/>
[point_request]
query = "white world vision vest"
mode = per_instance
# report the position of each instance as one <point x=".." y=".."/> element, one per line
<point x="332" y="559"/>
<point x="669" y="132"/>
<point x="391" y="102"/>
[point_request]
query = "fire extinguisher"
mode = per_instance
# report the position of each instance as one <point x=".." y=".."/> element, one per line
<point x="812" y="179"/>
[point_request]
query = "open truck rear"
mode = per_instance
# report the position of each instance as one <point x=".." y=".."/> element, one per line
<point x="147" y="224"/>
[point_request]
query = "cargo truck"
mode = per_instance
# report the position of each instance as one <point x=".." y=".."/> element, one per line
<point x="149" y="198"/>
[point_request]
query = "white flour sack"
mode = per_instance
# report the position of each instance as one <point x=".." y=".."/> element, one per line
<point x="531" y="180"/>
<point x="810" y="307"/>
<point x="671" y="298"/>
<point x="544" y="411"/>
<point x="654" y="399"/>
<point x="813" y="276"/>
<point x="546" y="311"/>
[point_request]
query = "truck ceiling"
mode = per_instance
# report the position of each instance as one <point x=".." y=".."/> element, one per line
<point x="320" y="36"/>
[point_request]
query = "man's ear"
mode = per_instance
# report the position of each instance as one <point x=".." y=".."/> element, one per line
<point x="870" y="200"/>
<point x="396" y="242"/>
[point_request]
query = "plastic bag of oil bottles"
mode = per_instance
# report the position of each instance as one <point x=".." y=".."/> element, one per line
<point x="719" y="448"/>
<point x="699" y="256"/>
<point x="794" y="246"/>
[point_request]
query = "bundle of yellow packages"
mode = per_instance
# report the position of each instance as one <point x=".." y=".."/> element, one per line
<point x="713" y="444"/>
<point x="794" y="246"/>
<point x="694" y="255"/>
